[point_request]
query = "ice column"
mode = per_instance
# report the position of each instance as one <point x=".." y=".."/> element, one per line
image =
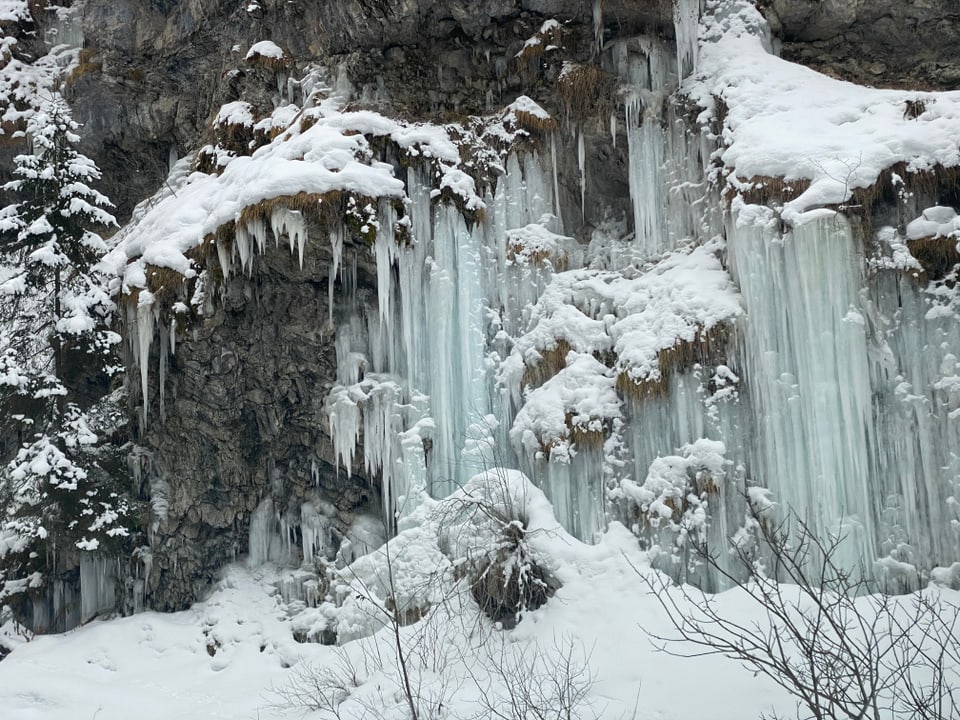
<point x="666" y="159"/>
<point x="804" y="357"/>
<point x="97" y="585"/>
<point x="916" y="380"/>
<point x="686" y="19"/>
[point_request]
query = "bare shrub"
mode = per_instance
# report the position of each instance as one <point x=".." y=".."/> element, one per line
<point x="536" y="685"/>
<point x="510" y="581"/>
<point x="322" y="688"/>
<point x="838" y="650"/>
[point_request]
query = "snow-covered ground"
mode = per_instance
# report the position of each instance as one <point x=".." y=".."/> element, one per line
<point x="154" y="666"/>
<point x="234" y="654"/>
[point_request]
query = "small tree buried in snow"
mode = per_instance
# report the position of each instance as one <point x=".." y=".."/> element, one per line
<point x="54" y="311"/>
<point x="839" y="651"/>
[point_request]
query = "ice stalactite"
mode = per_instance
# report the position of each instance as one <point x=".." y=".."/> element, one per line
<point x="686" y="18"/>
<point x="162" y="375"/>
<point x="225" y="259"/>
<point x="336" y="245"/>
<point x="266" y="544"/>
<point x="142" y="319"/>
<point x="315" y="523"/>
<point x="582" y="169"/>
<point x="598" y="25"/>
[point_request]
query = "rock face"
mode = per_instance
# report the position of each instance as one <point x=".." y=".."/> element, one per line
<point x="155" y="72"/>
<point x="243" y="416"/>
<point x="243" y="419"/>
<point x="887" y="43"/>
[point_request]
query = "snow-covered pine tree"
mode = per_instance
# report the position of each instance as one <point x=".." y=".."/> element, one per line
<point x="56" y="499"/>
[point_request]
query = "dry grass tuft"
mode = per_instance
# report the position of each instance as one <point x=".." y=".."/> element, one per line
<point x="551" y="362"/>
<point x="766" y="190"/>
<point x="270" y="63"/>
<point x="516" y="249"/>
<point x="235" y="137"/>
<point x="585" y="91"/>
<point x="86" y="64"/>
<point x="472" y="216"/>
<point x="511" y="581"/>
<point x="938" y="256"/>
<point x="552" y="37"/>
<point x="167" y="285"/>
<point x="533" y="124"/>
<point x="720" y="112"/>
<point x="914" y="108"/>
<point x="585" y="438"/>
<point x="207" y="162"/>
<point x="708" y="347"/>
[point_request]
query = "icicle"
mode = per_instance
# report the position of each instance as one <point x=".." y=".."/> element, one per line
<point x="344" y="417"/>
<point x="145" y="329"/>
<point x="556" y="183"/>
<point x="385" y="250"/>
<point x="226" y="262"/>
<point x="265" y="544"/>
<point x="336" y="244"/>
<point x="164" y="349"/>
<point x="686" y="19"/>
<point x="314" y="532"/>
<point x="243" y="243"/>
<point x="97" y="585"/>
<point x="613" y="128"/>
<point x="581" y="163"/>
<point x="598" y="25"/>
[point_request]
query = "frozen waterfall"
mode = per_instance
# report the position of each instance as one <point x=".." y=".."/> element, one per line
<point x="832" y="386"/>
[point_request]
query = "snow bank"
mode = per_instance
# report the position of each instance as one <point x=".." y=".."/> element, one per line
<point x="935" y="222"/>
<point x="265" y="49"/>
<point x="788" y="121"/>
<point x="14" y="11"/>
<point x="635" y="315"/>
<point x="332" y="154"/>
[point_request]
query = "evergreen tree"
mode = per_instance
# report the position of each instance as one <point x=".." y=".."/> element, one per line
<point x="56" y="499"/>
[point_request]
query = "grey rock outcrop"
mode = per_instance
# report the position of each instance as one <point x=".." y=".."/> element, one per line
<point x="243" y="419"/>
<point x="887" y="43"/>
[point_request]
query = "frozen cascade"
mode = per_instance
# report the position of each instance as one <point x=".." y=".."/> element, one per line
<point x="914" y="373"/>
<point x="65" y="26"/>
<point x="315" y="527"/>
<point x="686" y="18"/>
<point x="804" y="356"/>
<point x="97" y="585"/>
<point x="667" y="161"/>
<point x="429" y="425"/>
<point x="267" y="540"/>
